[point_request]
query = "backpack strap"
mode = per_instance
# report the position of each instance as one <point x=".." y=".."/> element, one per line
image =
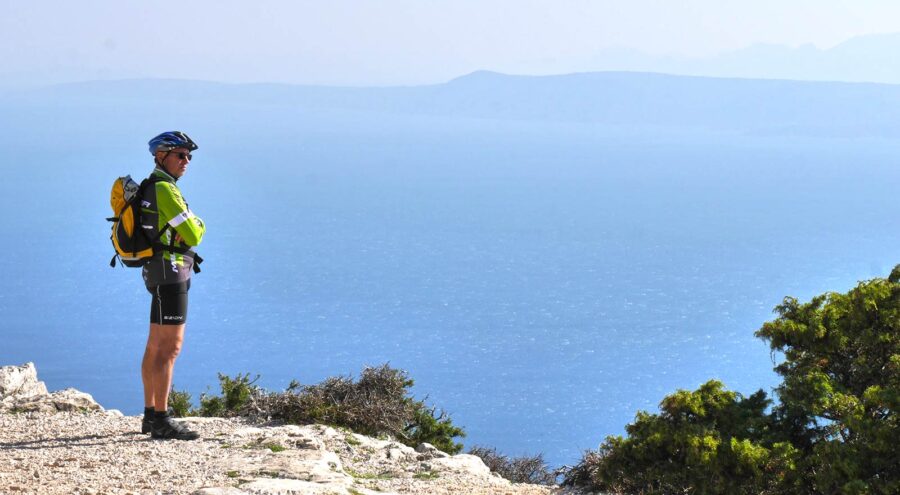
<point x="158" y="247"/>
<point x="136" y="207"/>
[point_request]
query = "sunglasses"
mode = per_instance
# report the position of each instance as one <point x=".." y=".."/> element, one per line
<point x="183" y="155"/>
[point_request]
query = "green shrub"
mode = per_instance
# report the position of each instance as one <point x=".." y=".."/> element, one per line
<point x="834" y="430"/>
<point x="236" y="395"/>
<point x="377" y="404"/>
<point x="180" y="403"/>
<point x="710" y="441"/>
<point x="429" y="426"/>
<point x="275" y="447"/>
<point x="841" y="392"/>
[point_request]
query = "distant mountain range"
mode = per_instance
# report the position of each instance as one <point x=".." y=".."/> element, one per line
<point x="626" y="99"/>
<point x="870" y="58"/>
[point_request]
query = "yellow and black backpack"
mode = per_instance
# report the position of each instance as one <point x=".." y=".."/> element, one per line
<point x="133" y="245"/>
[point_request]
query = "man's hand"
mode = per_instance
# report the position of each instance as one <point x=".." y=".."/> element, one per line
<point x="178" y="238"/>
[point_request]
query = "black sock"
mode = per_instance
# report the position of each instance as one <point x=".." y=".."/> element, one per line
<point x="148" y="411"/>
<point x="160" y="414"/>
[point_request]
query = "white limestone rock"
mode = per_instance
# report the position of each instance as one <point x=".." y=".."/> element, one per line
<point x="303" y="466"/>
<point x="316" y="466"/>
<point x="20" y="390"/>
<point x="289" y="436"/>
<point x="462" y="463"/>
<point x="199" y="420"/>
<point x="273" y="486"/>
<point x="19" y="382"/>
<point x="249" y="431"/>
<point x="399" y="453"/>
<point x="61" y="400"/>
<point x="430" y="451"/>
<point x="73" y="400"/>
<point x="220" y="491"/>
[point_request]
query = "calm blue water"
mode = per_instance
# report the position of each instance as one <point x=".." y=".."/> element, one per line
<point x="540" y="283"/>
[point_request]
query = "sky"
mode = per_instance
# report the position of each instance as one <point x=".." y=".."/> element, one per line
<point x="397" y="42"/>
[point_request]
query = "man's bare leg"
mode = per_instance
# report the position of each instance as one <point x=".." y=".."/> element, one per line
<point x="147" y="369"/>
<point x="163" y="347"/>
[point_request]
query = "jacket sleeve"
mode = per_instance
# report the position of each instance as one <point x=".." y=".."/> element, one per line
<point x="174" y="211"/>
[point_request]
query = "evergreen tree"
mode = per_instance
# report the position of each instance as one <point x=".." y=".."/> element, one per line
<point x="834" y="430"/>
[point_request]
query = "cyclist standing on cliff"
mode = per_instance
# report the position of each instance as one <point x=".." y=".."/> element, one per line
<point x="165" y="215"/>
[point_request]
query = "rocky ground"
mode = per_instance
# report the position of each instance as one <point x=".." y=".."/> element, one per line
<point x="48" y="447"/>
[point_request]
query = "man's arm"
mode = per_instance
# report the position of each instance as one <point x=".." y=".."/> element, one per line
<point x="175" y="212"/>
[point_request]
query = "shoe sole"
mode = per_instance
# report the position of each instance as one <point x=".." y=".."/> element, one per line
<point x="160" y="437"/>
<point x="188" y="435"/>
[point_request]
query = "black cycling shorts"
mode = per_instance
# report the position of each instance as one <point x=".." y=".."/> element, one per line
<point x="170" y="303"/>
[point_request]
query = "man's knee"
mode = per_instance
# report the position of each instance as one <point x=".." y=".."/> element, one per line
<point x="168" y="349"/>
<point x="165" y="342"/>
<point x="163" y="347"/>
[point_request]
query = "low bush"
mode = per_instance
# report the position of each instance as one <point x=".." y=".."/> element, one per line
<point x="428" y="425"/>
<point x="377" y="404"/>
<point x="180" y="403"/>
<point x="373" y="405"/>
<point x="236" y="394"/>
<point x="525" y="469"/>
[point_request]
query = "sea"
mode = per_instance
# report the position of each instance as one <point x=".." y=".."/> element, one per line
<point x="540" y="282"/>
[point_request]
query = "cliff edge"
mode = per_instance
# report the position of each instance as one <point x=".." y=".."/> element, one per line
<point x="64" y="442"/>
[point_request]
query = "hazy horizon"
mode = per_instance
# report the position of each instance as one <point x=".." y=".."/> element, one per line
<point x="399" y="42"/>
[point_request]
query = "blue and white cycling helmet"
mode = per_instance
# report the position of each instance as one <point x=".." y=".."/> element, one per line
<point x="168" y="141"/>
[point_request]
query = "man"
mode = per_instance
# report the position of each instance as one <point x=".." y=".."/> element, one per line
<point x="165" y="216"/>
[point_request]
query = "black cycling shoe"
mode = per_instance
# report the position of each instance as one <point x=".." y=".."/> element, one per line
<point x="164" y="428"/>
<point x="147" y="422"/>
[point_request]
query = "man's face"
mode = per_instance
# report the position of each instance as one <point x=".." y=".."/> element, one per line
<point x="175" y="162"/>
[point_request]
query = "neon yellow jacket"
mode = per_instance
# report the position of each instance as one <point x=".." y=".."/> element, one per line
<point x="163" y="205"/>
